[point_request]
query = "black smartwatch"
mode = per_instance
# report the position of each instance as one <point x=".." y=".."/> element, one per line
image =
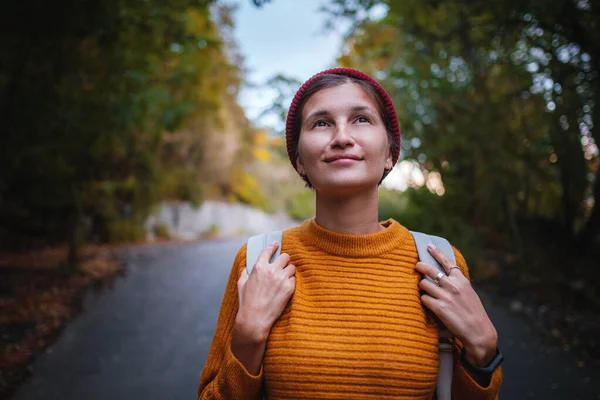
<point x="482" y="371"/>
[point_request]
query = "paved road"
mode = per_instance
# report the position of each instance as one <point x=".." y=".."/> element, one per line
<point x="147" y="337"/>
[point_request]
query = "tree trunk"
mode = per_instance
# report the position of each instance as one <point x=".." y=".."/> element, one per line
<point x="74" y="232"/>
<point x="590" y="231"/>
<point x="73" y="243"/>
<point x="514" y="229"/>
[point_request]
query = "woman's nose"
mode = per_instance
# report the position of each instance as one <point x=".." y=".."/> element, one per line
<point x="342" y="137"/>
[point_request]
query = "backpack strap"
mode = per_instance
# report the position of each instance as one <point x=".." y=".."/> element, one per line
<point x="256" y="244"/>
<point x="444" y="381"/>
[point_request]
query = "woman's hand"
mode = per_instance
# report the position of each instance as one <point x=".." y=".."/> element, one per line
<point x="264" y="294"/>
<point x="457" y="305"/>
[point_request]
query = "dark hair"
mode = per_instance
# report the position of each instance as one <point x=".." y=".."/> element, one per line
<point x="327" y="81"/>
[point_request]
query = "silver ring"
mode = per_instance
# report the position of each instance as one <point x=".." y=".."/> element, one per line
<point x="439" y="277"/>
<point x="451" y="268"/>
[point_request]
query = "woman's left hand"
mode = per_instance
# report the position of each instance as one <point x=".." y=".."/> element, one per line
<point x="457" y="305"/>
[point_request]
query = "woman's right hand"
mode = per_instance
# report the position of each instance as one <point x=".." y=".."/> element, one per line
<point x="264" y="294"/>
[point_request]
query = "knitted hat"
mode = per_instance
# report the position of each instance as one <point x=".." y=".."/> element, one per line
<point x="389" y="110"/>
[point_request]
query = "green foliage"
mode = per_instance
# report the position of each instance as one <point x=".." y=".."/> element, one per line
<point x="392" y="204"/>
<point x="124" y="231"/>
<point x="211" y="233"/>
<point x="285" y="88"/>
<point x="161" y="230"/>
<point x="499" y="98"/>
<point x="214" y="229"/>
<point x="300" y="204"/>
<point x="423" y="211"/>
<point x="107" y="108"/>
<point x="246" y="189"/>
<point x="182" y="184"/>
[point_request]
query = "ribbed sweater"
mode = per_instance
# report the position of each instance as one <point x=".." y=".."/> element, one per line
<point x="355" y="327"/>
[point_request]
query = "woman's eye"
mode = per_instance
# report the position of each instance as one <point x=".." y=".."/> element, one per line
<point x="320" y="123"/>
<point x="362" y="119"/>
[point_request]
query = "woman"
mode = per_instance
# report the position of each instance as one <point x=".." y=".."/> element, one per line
<point x="339" y="314"/>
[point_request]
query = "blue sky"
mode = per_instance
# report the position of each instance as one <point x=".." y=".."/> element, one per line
<point x="282" y="37"/>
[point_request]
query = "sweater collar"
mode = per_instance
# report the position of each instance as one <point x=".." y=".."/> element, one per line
<point x="365" y="245"/>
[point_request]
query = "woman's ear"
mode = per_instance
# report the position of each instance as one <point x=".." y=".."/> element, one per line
<point x="299" y="166"/>
<point x="389" y="161"/>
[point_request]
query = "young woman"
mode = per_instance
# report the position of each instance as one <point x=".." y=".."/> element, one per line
<point x="341" y="313"/>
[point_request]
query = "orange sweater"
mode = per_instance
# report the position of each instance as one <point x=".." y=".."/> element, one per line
<point x="354" y="329"/>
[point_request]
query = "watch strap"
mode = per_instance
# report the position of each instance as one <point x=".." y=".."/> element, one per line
<point x="482" y="371"/>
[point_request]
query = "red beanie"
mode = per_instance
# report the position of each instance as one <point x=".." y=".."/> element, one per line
<point x="387" y="101"/>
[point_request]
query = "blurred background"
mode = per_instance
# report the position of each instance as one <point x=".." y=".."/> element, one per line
<point x="130" y="126"/>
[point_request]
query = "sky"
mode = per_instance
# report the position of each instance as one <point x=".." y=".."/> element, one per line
<point x="288" y="37"/>
<point x="282" y="37"/>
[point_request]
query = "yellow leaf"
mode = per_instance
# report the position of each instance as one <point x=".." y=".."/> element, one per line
<point x="261" y="138"/>
<point x="197" y="21"/>
<point x="262" y="154"/>
<point x="277" y="141"/>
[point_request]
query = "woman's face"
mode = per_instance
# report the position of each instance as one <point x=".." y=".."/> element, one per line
<point x="343" y="146"/>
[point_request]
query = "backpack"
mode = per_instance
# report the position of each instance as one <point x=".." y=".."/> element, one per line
<point x="256" y="244"/>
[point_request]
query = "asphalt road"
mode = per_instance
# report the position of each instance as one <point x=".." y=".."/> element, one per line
<point x="147" y="337"/>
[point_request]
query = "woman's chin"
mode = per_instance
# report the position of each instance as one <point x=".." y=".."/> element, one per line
<point x="339" y="186"/>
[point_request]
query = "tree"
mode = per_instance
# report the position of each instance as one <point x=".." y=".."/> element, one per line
<point x="498" y="97"/>
<point x="87" y="92"/>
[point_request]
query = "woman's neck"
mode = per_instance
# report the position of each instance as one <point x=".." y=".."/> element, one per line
<point x="356" y="214"/>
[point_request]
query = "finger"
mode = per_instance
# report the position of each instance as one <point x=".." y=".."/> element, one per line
<point x="455" y="269"/>
<point x="431" y="303"/>
<point x="439" y="255"/>
<point x="431" y="273"/>
<point x="427" y="269"/>
<point x="282" y="260"/>
<point x="292" y="284"/>
<point x="431" y="288"/>
<point x="290" y="270"/>
<point x="267" y="253"/>
<point x="243" y="278"/>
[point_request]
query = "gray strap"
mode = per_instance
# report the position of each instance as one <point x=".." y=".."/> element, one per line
<point x="444" y="381"/>
<point x="422" y="240"/>
<point x="256" y="244"/>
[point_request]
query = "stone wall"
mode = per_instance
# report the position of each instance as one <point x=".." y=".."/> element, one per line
<point x="223" y="219"/>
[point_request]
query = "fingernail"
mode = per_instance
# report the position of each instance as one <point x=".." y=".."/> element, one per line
<point x="274" y="244"/>
<point x="431" y="246"/>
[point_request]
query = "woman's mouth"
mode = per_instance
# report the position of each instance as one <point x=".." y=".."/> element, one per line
<point x="342" y="159"/>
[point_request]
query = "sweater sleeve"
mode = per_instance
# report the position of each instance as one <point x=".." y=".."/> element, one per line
<point x="464" y="386"/>
<point x="223" y="376"/>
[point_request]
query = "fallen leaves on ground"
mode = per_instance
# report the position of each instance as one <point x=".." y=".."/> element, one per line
<point x="38" y="297"/>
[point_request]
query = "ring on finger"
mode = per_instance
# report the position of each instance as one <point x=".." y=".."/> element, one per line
<point x="453" y="267"/>
<point x="439" y="277"/>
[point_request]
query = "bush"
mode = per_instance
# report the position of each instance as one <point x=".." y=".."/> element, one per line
<point x="300" y="204"/>
<point x="122" y="231"/>
<point x="161" y="230"/>
<point x="211" y="233"/>
<point x="181" y="184"/>
<point x="423" y="211"/>
<point x="246" y="189"/>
